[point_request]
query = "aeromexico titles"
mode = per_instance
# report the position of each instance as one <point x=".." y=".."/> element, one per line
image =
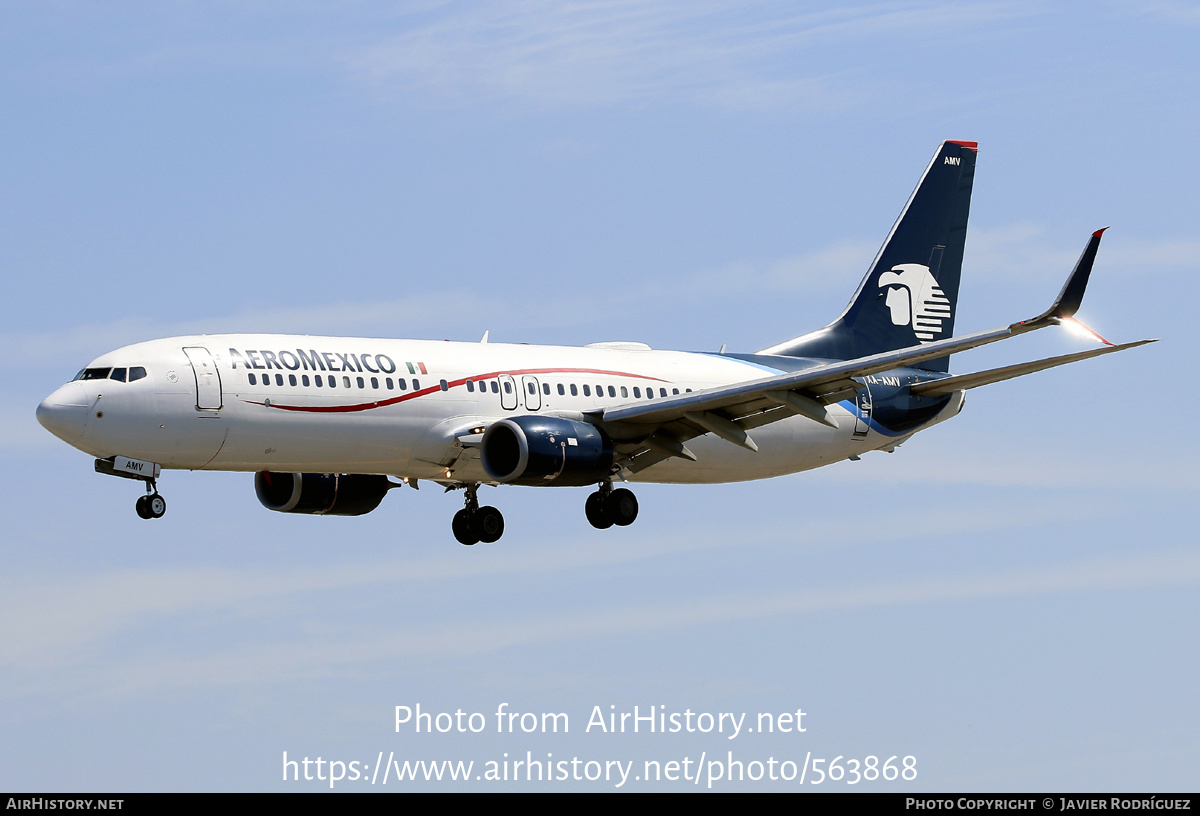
<point x="330" y="425"/>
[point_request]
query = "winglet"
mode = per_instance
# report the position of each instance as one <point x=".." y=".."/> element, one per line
<point x="1071" y="296"/>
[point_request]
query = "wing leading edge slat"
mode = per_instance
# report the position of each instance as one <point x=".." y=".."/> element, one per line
<point x="729" y="411"/>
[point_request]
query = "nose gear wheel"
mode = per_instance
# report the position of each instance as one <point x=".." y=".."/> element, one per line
<point x="152" y="505"/>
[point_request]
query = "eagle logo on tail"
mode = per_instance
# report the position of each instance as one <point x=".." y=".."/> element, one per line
<point x="916" y="300"/>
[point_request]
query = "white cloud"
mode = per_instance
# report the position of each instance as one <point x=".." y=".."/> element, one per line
<point x="55" y="620"/>
<point x="1002" y="254"/>
<point x="609" y="51"/>
<point x="421" y="315"/>
<point x="337" y="651"/>
<point x="1172" y="12"/>
<point x="1004" y="461"/>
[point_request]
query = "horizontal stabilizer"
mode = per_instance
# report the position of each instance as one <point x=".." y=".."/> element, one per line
<point x="729" y="411"/>
<point x="961" y="382"/>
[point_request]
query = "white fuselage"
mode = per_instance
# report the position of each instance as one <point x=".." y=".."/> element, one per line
<point x="252" y="402"/>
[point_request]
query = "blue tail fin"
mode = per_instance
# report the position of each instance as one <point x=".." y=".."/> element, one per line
<point x="910" y="293"/>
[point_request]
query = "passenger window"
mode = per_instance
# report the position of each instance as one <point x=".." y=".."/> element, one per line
<point x="495" y="387"/>
<point x="445" y="386"/>
<point x="346" y="382"/>
<point x="532" y="388"/>
<point x="624" y="391"/>
<point x="317" y="380"/>
<point x="674" y="390"/>
<point x="136" y="373"/>
<point x="546" y="389"/>
<point x="388" y="383"/>
<point x="507" y="388"/>
<point x="253" y="380"/>
<point x="402" y="383"/>
<point x="574" y="391"/>
<point x="587" y="390"/>
<point x="416" y="385"/>
<point x="637" y="392"/>
<point x="118" y="374"/>
<point x="649" y="393"/>
<point x="470" y="387"/>
<point x="278" y="379"/>
<point x="304" y="380"/>
<point x="561" y="391"/>
<point x="291" y="379"/>
<point x="662" y="392"/>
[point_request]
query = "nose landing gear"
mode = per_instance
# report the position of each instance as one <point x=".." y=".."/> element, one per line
<point x="473" y="523"/>
<point x="607" y="507"/>
<point x="152" y="505"/>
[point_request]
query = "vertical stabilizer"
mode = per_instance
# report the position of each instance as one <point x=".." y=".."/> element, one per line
<point x="910" y="293"/>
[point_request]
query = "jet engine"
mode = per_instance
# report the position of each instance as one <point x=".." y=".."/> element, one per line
<point x="326" y="494"/>
<point x="544" y="450"/>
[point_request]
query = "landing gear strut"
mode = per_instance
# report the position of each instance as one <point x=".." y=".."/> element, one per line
<point x="607" y="507"/>
<point x="152" y="505"/>
<point x="473" y="523"/>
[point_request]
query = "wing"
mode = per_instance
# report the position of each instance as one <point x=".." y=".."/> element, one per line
<point x="647" y="433"/>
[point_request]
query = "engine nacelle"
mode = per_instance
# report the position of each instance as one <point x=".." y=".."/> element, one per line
<point x="325" y="494"/>
<point x="543" y="450"/>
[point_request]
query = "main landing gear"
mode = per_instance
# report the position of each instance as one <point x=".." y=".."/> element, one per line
<point x="473" y="523"/>
<point x="607" y="507"/>
<point x="152" y="505"/>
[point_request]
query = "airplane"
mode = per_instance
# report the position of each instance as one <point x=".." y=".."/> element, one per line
<point x="329" y="425"/>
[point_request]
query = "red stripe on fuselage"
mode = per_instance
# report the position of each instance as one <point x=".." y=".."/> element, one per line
<point x="367" y="406"/>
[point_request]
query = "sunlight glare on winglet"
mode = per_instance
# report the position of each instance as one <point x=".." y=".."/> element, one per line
<point x="1079" y="330"/>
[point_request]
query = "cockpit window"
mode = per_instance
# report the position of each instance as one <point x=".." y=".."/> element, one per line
<point x="118" y="374"/>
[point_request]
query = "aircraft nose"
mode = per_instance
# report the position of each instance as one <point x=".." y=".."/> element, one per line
<point x="64" y="413"/>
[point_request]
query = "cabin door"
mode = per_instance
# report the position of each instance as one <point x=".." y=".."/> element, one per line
<point x="208" y="379"/>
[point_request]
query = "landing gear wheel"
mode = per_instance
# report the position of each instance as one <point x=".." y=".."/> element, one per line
<point x="157" y="506"/>
<point x="597" y="512"/>
<point x="461" y="525"/>
<point x="487" y="524"/>
<point x="143" y="507"/>
<point x="621" y="506"/>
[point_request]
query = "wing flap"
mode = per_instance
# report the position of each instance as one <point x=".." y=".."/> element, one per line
<point x="729" y="411"/>
<point x="818" y="380"/>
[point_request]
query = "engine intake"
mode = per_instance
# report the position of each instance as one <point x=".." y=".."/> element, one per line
<point x="325" y="494"/>
<point x="537" y="450"/>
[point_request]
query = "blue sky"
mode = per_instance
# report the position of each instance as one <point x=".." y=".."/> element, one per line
<point x="1010" y="597"/>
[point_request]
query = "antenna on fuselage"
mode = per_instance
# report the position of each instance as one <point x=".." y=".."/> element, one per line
<point x="485" y="336"/>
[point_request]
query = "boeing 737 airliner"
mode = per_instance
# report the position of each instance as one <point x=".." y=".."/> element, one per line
<point x="327" y="423"/>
